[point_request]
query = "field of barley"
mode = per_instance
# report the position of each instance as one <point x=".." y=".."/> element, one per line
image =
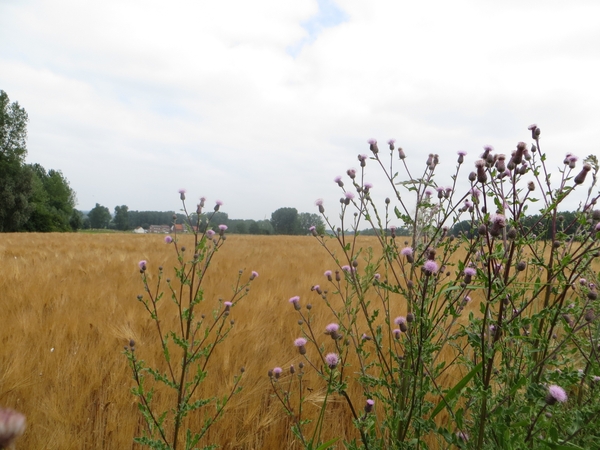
<point x="68" y="307"/>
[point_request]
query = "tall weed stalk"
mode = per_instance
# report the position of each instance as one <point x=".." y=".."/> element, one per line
<point x="189" y="347"/>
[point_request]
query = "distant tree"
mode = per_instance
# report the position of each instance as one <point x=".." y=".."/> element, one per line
<point x="121" y="218"/>
<point x="76" y="220"/>
<point x="253" y="227"/>
<point x="286" y="221"/>
<point x="265" y="227"/>
<point x="308" y="220"/>
<point x="99" y="216"/>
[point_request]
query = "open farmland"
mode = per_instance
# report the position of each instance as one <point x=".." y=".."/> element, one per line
<point x="69" y="306"/>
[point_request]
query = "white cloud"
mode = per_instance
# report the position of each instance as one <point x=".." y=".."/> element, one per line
<point x="261" y="103"/>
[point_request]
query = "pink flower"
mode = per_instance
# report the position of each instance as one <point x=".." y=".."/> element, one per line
<point x="332" y="360"/>
<point x="296" y="302"/>
<point x="347" y="268"/>
<point x="253" y="275"/>
<point x="168" y="239"/>
<point x="349" y="195"/>
<point x="300" y="342"/>
<point x="277" y="371"/>
<point x="210" y="234"/>
<point x="470" y="272"/>
<point x="328" y="274"/>
<point x="430" y="267"/>
<point x="556" y="394"/>
<point x="406" y="251"/>
<point x="222" y="227"/>
<point x="142" y="265"/>
<point x="332" y="328"/>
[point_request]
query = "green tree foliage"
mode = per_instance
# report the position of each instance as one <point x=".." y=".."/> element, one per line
<point x="121" y="218"/>
<point x="308" y="220"/>
<point x="52" y="201"/>
<point x="285" y="221"/>
<point x="16" y="181"/>
<point x="99" y="216"/>
<point x="146" y="218"/>
<point x="32" y="199"/>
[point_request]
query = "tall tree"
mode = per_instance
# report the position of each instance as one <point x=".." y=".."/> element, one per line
<point x="16" y="180"/>
<point x="99" y="216"/>
<point x="285" y="221"/>
<point x="122" y="217"/>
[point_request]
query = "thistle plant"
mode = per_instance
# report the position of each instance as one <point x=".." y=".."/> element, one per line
<point x="189" y="346"/>
<point x="475" y="329"/>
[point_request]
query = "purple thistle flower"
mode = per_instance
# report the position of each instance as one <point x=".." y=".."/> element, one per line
<point x="556" y="394"/>
<point x="406" y="251"/>
<point x="328" y="274"/>
<point x="470" y="271"/>
<point x="369" y="405"/>
<point x="142" y="265"/>
<point x="227" y="305"/>
<point x="296" y="302"/>
<point x="351" y="173"/>
<point x="222" y="227"/>
<point x="430" y="267"/>
<point x="168" y="239"/>
<point x="332" y="360"/>
<point x="332" y="328"/>
<point x="210" y="234"/>
<point x="402" y="323"/>
<point x="377" y="276"/>
<point x="300" y="342"/>
<point x="219" y="203"/>
<point x="339" y="181"/>
<point x="277" y="371"/>
<point x="397" y="333"/>
<point x="368" y="186"/>
<point x="182" y="194"/>
<point x="349" y="195"/>
<point x="347" y="268"/>
<point x="253" y="275"/>
<point x="319" y="203"/>
<point x="400" y="320"/>
<point x="391" y="143"/>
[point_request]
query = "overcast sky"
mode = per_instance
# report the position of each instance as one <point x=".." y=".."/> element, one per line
<point x="261" y="103"/>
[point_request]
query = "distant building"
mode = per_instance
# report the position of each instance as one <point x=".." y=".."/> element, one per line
<point x="139" y="230"/>
<point x="160" y="229"/>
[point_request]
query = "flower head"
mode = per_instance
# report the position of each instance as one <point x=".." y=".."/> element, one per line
<point x="332" y="328"/>
<point x="168" y="239"/>
<point x="349" y="195"/>
<point x="369" y="405"/>
<point x="332" y="360"/>
<point x="406" y="251"/>
<point x="556" y="394"/>
<point x="430" y="267"/>
<point x="253" y="275"/>
<point x="210" y="234"/>
<point x="277" y="371"/>
<point x="300" y="342"/>
<point x="182" y="194"/>
<point x="142" y="265"/>
<point x="470" y="272"/>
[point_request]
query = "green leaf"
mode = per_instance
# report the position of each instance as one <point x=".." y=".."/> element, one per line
<point x="454" y="391"/>
<point x="327" y="444"/>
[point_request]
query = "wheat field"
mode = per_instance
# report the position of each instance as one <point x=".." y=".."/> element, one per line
<point x="68" y="306"/>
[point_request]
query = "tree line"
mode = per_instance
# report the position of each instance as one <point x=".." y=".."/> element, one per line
<point x="283" y="221"/>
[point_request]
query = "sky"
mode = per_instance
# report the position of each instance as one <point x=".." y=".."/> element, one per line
<point x="260" y="104"/>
